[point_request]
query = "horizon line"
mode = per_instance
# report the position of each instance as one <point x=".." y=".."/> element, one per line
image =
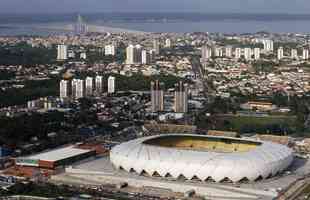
<point x="151" y="12"/>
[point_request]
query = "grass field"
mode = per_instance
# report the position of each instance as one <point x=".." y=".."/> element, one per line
<point x="239" y="121"/>
<point x="270" y="124"/>
<point x="273" y="124"/>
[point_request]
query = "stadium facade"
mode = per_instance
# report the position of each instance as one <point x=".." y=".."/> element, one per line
<point x="204" y="158"/>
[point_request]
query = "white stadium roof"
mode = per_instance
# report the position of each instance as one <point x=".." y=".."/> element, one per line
<point x="265" y="160"/>
<point x="58" y="154"/>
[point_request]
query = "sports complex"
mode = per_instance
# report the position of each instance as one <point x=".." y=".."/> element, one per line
<point x="202" y="158"/>
<point x="217" y="167"/>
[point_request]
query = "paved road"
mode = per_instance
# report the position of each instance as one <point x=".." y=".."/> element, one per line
<point x="216" y="191"/>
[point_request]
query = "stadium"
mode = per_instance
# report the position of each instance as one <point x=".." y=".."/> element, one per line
<point x="202" y="158"/>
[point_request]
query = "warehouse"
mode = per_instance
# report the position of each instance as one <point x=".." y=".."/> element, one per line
<point x="55" y="158"/>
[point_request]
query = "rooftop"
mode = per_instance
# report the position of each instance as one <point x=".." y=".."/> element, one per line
<point x="59" y="154"/>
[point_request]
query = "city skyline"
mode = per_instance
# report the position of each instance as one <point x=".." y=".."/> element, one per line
<point x="155" y="100"/>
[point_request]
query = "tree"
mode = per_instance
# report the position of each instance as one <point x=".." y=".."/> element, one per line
<point x="85" y="103"/>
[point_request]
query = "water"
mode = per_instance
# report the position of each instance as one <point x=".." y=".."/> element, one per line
<point x="160" y="22"/>
<point x="18" y="30"/>
<point x="225" y="26"/>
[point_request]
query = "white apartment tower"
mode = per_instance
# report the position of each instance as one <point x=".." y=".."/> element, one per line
<point x="89" y="86"/>
<point x="78" y="88"/>
<point x="133" y="54"/>
<point x="206" y="53"/>
<point x="256" y="53"/>
<point x="268" y="44"/>
<point x="294" y="54"/>
<point x="228" y="52"/>
<point x="98" y="84"/>
<point x="73" y="88"/>
<point x="280" y="54"/>
<point x="168" y="43"/>
<point x="130" y="50"/>
<point x="218" y="52"/>
<point x="247" y="53"/>
<point x="109" y="50"/>
<point x="62" y="52"/>
<point x="238" y="53"/>
<point x="305" y="54"/>
<point x="64" y="89"/>
<point x="156" y="46"/>
<point x="146" y="56"/>
<point x="111" y="84"/>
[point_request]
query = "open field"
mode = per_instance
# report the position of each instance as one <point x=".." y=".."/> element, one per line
<point x="238" y="122"/>
<point x="272" y="124"/>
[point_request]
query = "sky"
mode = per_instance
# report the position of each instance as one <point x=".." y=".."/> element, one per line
<point x="205" y="6"/>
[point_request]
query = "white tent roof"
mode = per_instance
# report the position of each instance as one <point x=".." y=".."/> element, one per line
<point x="264" y="160"/>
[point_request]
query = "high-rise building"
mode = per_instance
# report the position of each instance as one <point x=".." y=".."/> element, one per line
<point x="130" y="54"/>
<point x="78" y="88"/>
<point x="80" y="28"/>
<point x="294" y="54"/>
<point x="221" y="54"/>
<point x="73" y="88"/>
<point x="206" y="53"/>
<point x="156" y="46"/>
<point x="181" y="98"/>
<point x="109" y="50"/>
<point x="89" y="86"/>
<point x="133" y="54"/>
<point x="157" y="96"/>
<point x="247" y="53"/>
<point x="62" y="51"/>
<point x="280" y="54"/>
<point x="268" y="44"/>
<point x="137" y="54"/>
<point x="99" y="85"/>
<point x="228" y="52"/>
<point x="152" y="56"/>
<point x="168" y="43"/>
<point x="145" y="57"/>
<point x="64" y="89"/>
<point x="111" y="84"/>
<point x="238" y="53"/>
<point x="256" y="53"/>
<point x="305" y="54"/>
<point x="218" y="52"/>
